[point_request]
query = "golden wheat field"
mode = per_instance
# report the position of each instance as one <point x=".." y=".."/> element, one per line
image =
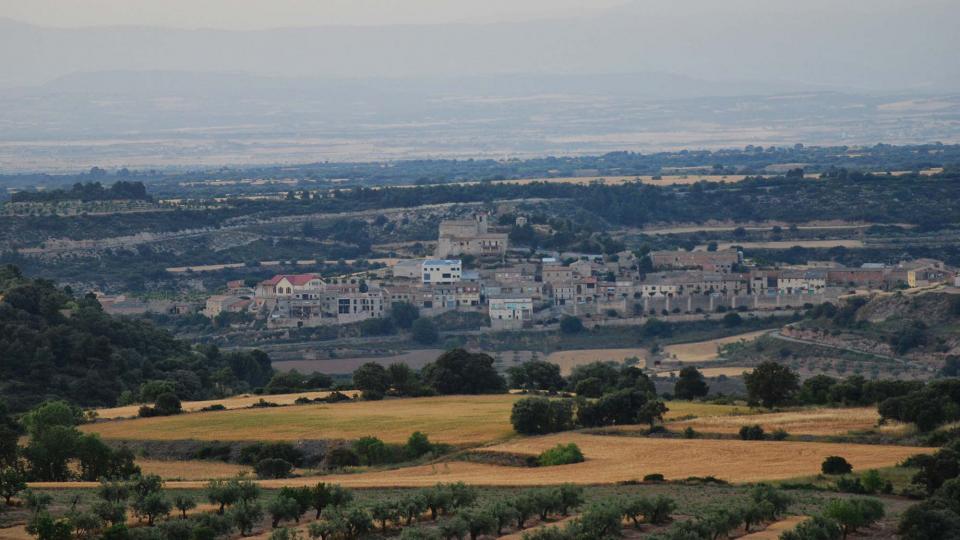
<point x="705" y="351"/>
<point x="191" y="470"/>
<point x="611" y="459"/>
<point x="449" y="419"/>
<point x="567" y="360"/>
<point x="729" y="371"/>
<point x="823" y="422"/>
<point x="234" y="402"/>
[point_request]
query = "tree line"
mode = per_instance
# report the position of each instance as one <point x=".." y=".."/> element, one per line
<point x="55" y="345"/>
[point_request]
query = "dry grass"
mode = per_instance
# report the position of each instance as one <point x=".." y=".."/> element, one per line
<point x="613" y="459"/>
<point x="731" y="371"/>
<point x="191" y="470"/>
<point x="451" y="419"/>
<point x="567" y="360"/>
<point x="705" y="351"/>
<point x="822" y="422"/>
<point x="235" y="402"/>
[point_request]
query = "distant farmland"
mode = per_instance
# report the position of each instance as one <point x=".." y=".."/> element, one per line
<point x="449" y="419"/>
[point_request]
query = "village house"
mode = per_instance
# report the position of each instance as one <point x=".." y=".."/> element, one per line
<point x="708" y="261"/>
<point x="225" y="303"/>
<point x="470" y="237"/>
<point x="510" y="312"/>
<point x="301" y="286"/>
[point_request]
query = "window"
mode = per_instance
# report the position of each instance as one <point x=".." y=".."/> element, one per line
<point x="343" y="305"/>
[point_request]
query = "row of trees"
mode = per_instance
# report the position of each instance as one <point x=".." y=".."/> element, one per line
<point x="454" y="372"/>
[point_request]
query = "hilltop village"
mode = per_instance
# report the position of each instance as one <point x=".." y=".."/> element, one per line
<point x="516" y="291"/>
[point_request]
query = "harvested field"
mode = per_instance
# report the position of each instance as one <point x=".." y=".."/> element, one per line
<point x="235" y="402"/>
<point x="451" y="419"/>
<point x="732" y="371"/>
<point x="705" y="351"/>
<point x="821" y="422"/>
<point x="191" y="470"/>
<point x="415" y="359"/>
<point x="613" y="459"/>
<point x="567" y="360"/>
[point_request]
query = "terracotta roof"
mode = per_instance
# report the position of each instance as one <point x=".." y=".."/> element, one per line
<point x="294" y="279"/>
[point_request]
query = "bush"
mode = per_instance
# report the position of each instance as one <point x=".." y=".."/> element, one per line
<point x="342" y="457"/>
<point x="927" y="520"/>
<point x="167" y="404"/>
<point x="571" y="325"/>
<point x="751" y="433"/>
<point x="836" y="465"/>
<point x="779" y="435"/>
<point x="853" y="514"/>
<point x="424" y="332"/>
<point x="815" y="528"/>
<point x="257" y="452"/>
<point x="560" y="455"/>
<point x="273" y="468"/>
<point x="653" y="477"/>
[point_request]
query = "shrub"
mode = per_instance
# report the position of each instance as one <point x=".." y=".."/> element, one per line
<point x="836" y="465"/>
<point x="779" y="435"/>
<point x="851" y="485"/>
<point x="214" y="407"/>
<point x="560" y="455"/>
<point x="653" y="477"/>
<point x="926" y="520"/>
<point x="424" y="332"/>
<point x="815" y="528"/>
<point x="571" y="325"/>
<point x="273" y="468"/>
<point x="852" y="514"/>
<point x="342" y="457"/>
<point x="751" y="433"/>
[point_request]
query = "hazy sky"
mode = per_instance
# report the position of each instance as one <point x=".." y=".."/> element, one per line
<point x="261" y="14"/>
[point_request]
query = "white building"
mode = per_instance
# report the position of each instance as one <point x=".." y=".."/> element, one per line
<point x="441" y="271"/>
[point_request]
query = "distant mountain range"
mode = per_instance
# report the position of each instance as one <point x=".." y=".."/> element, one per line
<point x="880" y="45"/>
